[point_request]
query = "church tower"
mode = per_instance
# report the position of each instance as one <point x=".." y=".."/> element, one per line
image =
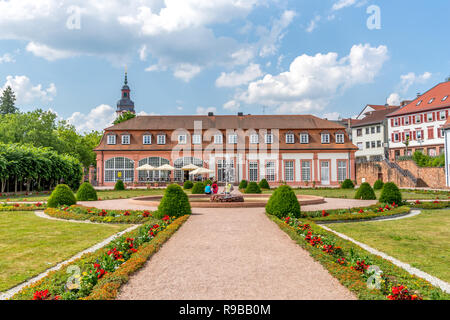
<point x="125" y="104"/>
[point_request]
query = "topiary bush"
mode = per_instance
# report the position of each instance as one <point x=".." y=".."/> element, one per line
<point x="243" y="184"/>
<point x="61" y="196"/>
<point x="347" y="184"/>
<point x="206" y="182"/>
<point x="390" y="193"/>
<point x="263" y="184"/>
<point x="119" y="185"/>
<point x="86" y="192"/>
<point x="365" y="192"/>
<point x="174" y="203"/>
<point x="378" y="185"/>
<point x="283" y="203"/>
<point x="198" y="188"/>
<point x="252" y="187"/>
<point x="188" y="185"/>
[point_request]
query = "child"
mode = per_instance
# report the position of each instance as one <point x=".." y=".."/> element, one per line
<point x="215" y="187"/>
<point x="208" y="189"/>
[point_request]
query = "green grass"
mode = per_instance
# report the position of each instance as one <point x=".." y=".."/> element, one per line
<point x="350" y="194"/>
<point x="422" y="241"/>
<point x="29" y="245"/>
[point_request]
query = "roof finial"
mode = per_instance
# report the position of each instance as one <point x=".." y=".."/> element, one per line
<point x="126" y="75"/>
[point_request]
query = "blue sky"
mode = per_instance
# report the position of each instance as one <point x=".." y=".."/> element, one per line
<point x="195" y="56"/>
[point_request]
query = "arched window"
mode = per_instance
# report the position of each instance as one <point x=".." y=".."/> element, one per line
<point x="153" y="175"/>
<point x="119" y="168"/>
<point x="181" y="162"/>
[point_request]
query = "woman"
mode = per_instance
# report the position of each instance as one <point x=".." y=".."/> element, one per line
<point x="215" y="187"/>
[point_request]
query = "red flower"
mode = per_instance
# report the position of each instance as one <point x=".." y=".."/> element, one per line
<point x="127" y="213"/>
<point x="41" y="295"/>
<point x="146" y="214"/>
<point x="417" y="202"/>
<point x="324" y="213"/>
<point x="361" y="211"/>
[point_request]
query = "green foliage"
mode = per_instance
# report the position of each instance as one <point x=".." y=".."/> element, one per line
<point x="7" y="102"/>
<point x="390" y="194"/>
<point x="283" y="203"/>
<point x="206" y="182"/>
<point x="243" y="184"/>
<point x="252" y="188"/>
<point x="175" y="202"/>
<point x="61" y="196"/>
<point x="124" y="117"/>
<point x="119" y="185"/>
<point x="263" y="184"/>
<point x="365" y="192"/>
<point x="188" y="185"/>
<point x="198" y="188"/>
<point x="378" y="185"/>
<point x="347" y="184"/>
<point x="423" y="160"/>
<point x="86" y="192"/>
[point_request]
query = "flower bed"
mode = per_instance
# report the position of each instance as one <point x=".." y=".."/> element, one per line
<point x="370" y="277"/>
<point x="22" y="206"/>
<point x="99" y="275"/>
<point x="367" y="213"/>
<point x="430" y="204"/>
<point x="77" y="212"/>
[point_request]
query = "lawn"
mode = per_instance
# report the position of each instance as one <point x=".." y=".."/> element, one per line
<point x="29" y="245"/>
<point x="422" y="241"/>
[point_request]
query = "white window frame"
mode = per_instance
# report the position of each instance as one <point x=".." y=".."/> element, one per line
<point x="442" y="115"/>
<point x="398" y="137"/>
<point x="290" y="138"/>
<point x="218" y="138"/>
<point x="289" y="171"/>
<point x="233" y="138"/>
<point x="342" y="170"/>
<point x="406" y="120"/>
<point x="197" y="139"/>
<point x="268" y="138"/>
<point x="182" y="139"/>
<point x="340" y="138"/>
<point x="111" y="139"/>
<point x="417" y="118"/>
<point x="126" y="139"/>
<point x="325" y="138"/>
<point x="306" y="171"/>
<point x="396" y="122"/>
<point x="161" y="139"/>
<point x="254" y="138"/>
<point x="419" y="134"/>
<point x="304" y="138"/>
<point x="360" y="146"/>
<point x="271" y="171"/>
<point x="253" y="171"/>
<point x="148" y="137"/>
<point x="430" y="117"/>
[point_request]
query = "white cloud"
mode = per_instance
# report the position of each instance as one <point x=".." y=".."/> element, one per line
<point x="101" y="117"/>
<point x="26" y="92"/>
<point x="7" y="58"/>
<point x="186" y="71"/>
<point x="43" y="51"/>
<point x="235" y="79"/>
<point x="343" y="4"/>
<point x="407" y="80"/>
<point x="204" y="111"/>
<point x="313" y="24"/>
<point x="393" y="99"/>
<point x="242" y="56"/>
<point x="232" y="105"/>
<point x="143" y="53"/>
<point x="270" y="42"/>
<point x="312" y="81"/>
<point x="332" y="116"/>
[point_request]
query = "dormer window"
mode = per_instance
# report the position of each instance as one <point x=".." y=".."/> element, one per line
<point x="111" y="139"/>
<point x="325" y="138"/>
<point x="218" y="139"/>
<point x="254" y="139"/>
<point x="340" y="138"/>
<point x="268" y="138"/>
<point x="431" y="100"/>
<point x="232" y="138"/>
<point x="182" y="139"/>
<point x="444" y="98"/>
<point x="197" y="139"/>
<point x="161" y="139"/>
<point x="418" y="103"/>
<point x="126" y="139"/>
<point x="304" y="138"/>
<point x="290" y="138"/>
<point x="147" y="139"/>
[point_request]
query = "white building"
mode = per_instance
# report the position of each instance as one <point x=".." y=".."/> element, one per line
<point x="421" y="123"/>
<point x="370" y="133"/>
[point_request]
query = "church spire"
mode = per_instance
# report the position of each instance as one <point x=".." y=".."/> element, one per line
<point x="126" y="76"/>
<point x="125" y="104"/>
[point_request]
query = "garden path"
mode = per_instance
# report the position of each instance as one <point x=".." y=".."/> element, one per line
<point x="232" y="254"/>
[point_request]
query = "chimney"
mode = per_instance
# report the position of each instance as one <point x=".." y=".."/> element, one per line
<point x="418" y="94"/>
<point x="210" y="114"/>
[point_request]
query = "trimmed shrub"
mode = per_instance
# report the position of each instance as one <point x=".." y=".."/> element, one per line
<point x="347" y="184"/>
<point x="175" y="202"/>
<point x="119" y="185"/>
<point x="188" y="185"/>
<point x="365" y="192"/>
<point x="198" y="188"/>
<point x="252" y="187"/>
<point x="390" y="193"/>
<point x="206" y="182"/>
<point x="263" y="184"/>
<point x="61" y="196"/>
<point x="283" y="203"/>
<point x="378" y="185"/>
<point x="86" y="192"/>
<point x="243" y="184"/>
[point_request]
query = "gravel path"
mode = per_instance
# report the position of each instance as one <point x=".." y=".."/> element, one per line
<point x="232" y="254"/>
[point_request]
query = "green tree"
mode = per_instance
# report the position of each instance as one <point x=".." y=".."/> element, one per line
<point x="124" y="117"/>
<point x="7" y="101"/>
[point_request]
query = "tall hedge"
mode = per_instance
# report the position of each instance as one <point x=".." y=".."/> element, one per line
<point x="86" y="192"/>
<point x="283" y="202"/>
<point x="119" y="186"/>
<point x="61" y="196"/>
<point x="263" y="184"/>
<point x="365" y="192"/>
<point x="175" y="202"/>
<point x="378" y="185"/>
<point x="347" y="184"/>
<point x="390" y="193"/>
<point x="252" y="187"/>
<point x="198" y="188"/>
